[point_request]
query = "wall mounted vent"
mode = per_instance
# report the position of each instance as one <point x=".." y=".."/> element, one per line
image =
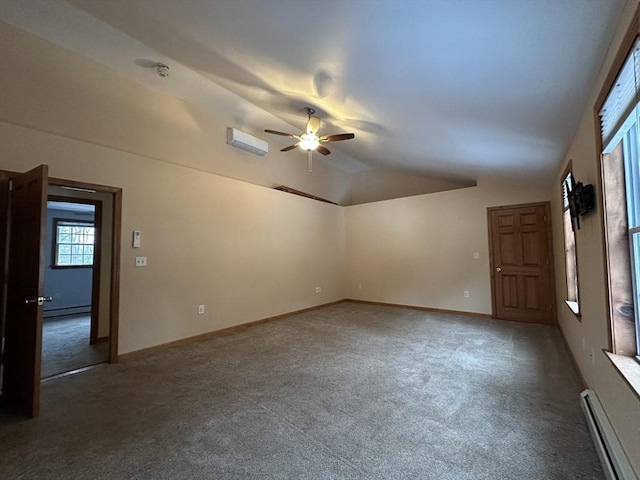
<point x="247" y="142"/>
<point x="614" y="462"/>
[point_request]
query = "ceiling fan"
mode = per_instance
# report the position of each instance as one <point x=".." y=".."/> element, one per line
<point x="309" y="140"/>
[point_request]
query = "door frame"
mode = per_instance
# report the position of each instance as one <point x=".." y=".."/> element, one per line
<point x="114" y="281"/>
<point x="492" y="266"/>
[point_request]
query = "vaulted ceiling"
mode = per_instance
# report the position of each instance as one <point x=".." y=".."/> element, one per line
<point x="454" y="89"/>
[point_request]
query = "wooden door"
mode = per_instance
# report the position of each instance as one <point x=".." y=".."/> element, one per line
<point x="23" y="329"/>
<point x="521" y="263"/>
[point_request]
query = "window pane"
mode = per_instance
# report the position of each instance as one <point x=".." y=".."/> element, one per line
<point x="74" y="243"/>
<point x="632" y="175"/>
<point x="571" y="267"/>
<point x="565" y="194"/>
<point x="570" y="258"/>
<point x="635" y="238"/>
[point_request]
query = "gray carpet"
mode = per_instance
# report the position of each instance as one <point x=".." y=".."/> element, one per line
<point x="65" y="345"/>
<point x="349" y="391"/>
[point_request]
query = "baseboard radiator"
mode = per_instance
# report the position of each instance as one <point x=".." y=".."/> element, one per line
<point x="615" y="464"/>
<point x="65" y="311"/>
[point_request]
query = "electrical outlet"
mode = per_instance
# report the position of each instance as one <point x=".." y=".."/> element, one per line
<point x="466" y="294"/>
<point x="200" y="309"/>
<point x="318" y="289"/>
<point x="476" y="255"/>
<point x="141" y="261"/>
<point x="359" y="286"/>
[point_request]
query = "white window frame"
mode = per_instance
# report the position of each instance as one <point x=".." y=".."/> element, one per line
<point x="80" y="243"/>
<point x="618" y="108"/>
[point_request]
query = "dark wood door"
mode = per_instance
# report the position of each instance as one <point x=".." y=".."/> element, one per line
<point x="4" y="252"/>
<point x="23" y="329"/>
<point x="521" y="263"/>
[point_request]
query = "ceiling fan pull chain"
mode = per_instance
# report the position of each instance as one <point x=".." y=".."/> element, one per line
<point x="310" y="161"/>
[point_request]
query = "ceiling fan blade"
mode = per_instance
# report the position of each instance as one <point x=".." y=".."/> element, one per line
<point x="290" y="147"/>
<point x="275" y="132"/>
<point x="337" y="138"/>
<point x="323" y="150"/>
<point x="313" y="125"/>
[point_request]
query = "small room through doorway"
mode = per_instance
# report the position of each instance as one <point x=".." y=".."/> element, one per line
<point x="75" y="333"/>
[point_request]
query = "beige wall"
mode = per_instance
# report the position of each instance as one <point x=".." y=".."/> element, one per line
<point x="244" y="251"/>
<point x="375" y="185"/>
<point x="419" y="250"/>
<point x="592" y="331"/>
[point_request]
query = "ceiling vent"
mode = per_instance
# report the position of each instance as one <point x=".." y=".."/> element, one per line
<point x="247" y="142"/>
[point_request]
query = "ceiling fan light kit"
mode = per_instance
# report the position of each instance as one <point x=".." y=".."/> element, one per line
<point x="308" y="141"/>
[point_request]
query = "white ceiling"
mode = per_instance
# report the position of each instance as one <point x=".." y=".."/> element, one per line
<point x="456" y="89"/>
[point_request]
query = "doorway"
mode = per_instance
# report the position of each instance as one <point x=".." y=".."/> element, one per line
<point x="75" y="333"/>
<point x="521" y="260"/>
<point x="22" y="296"/>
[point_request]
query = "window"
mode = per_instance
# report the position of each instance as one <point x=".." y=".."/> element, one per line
<point x="570" y="256"/>
<point x="73" y="243"/>
<point x="619" y="113"/>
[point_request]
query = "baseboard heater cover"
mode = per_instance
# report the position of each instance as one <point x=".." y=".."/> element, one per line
<point x="615" y="464"/>
<point x="65" y="311"/>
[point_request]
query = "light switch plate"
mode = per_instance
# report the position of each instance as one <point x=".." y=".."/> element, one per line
<point x="136" y="238"/>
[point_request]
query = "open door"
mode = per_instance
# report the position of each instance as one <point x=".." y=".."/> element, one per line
<point x="23" y="323"/>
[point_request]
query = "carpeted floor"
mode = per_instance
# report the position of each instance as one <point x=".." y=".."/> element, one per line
<point x="65" y="345"/>
<point x="349" y="391"/>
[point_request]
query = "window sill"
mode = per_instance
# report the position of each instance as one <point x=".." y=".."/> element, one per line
<point x="629" y="369"/>
<point x="68" y="267"/>
<point x="575" y="308"/>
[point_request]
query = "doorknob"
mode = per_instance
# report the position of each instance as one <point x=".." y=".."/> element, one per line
<point x="498" y="269"/>
<point x="39" y="300"/>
